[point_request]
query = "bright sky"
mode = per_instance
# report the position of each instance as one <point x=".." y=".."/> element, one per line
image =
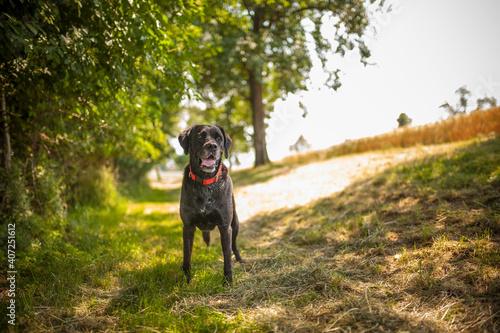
<point x="424" y="51"/>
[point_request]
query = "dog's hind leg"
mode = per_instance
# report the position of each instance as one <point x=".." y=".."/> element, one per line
<point x="206" y="237"/>
<point x="235" y="225"/>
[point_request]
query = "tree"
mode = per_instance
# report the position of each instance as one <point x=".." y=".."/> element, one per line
<point x="404" y="120"/>
<point x="5" y="147"/>
<point x="85" y="83"/>
<point x="300" y="145"/>
<point x="490" y="101"/>
<point x="461" y="106"/>
<point x="260" y="51"/>
<point x="75" y="72"/>
<point x="463" y="101"/>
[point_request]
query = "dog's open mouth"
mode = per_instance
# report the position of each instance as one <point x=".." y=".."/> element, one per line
<point x="208" y="162"/>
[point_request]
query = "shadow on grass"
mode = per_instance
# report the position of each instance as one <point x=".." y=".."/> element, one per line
<point x="355" y="260"/>
<point x="415" y="248"/>
<point x="154" y="294"/>
<point x="81" y="268"/>
<point x="409" y="194"/>
<point x="424" y="233"/>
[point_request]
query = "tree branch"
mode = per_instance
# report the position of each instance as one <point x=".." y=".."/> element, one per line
<point x="5" y="132"/>
<point x="247" y="5"/>
<point x="34" y="186"/>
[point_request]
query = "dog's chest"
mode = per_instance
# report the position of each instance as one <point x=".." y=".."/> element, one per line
<point x="202" y="208"/>
<point x="204" y="203"/>
<point x="208" y="221"/>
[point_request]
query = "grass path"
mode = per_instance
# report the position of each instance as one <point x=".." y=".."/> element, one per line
<point x="400" y="240"/>
<point x="287" y="186"/>
<point x="296" y="186"/>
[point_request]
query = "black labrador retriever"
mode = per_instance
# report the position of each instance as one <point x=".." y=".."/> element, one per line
<point x="207" y="199"/>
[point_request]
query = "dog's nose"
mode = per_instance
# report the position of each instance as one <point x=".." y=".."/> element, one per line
<point x="210" y="145"/>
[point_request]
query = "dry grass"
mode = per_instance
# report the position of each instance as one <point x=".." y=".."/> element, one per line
<point x="297" y="185"/>
<point x="413" y="249"/>
<point x="409" y="245"/>
<point x="477" y="124"/>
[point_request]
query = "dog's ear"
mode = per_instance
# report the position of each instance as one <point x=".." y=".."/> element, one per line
<point x="185" y="139"/>
<point x="227" y="142"/>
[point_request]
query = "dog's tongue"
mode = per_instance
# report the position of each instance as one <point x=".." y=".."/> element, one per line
<point x="208" y="162"/>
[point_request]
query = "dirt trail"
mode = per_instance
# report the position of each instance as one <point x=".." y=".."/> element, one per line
<point x="306" y="183"/>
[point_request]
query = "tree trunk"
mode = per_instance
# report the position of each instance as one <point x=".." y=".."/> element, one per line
<point x="6" y="150"/>
<point x="259" y="127"/>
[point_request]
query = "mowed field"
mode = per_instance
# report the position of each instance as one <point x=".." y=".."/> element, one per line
<point x="399" y="240"/>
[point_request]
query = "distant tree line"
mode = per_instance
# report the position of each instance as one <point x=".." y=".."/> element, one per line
<point x="463" y="102"/>
<point x="461" y="107"/>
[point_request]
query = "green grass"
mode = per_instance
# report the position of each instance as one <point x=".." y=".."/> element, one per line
<point x="141" y="192"/>
<point x="416" y="248"/>
<point x="116" y="268"/>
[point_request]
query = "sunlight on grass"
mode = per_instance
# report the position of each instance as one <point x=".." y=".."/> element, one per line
<point x="295" y="187"/>
<point x="408" y="247"/>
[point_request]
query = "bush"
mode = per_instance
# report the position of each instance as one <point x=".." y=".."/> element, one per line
<point x="14" y="200"/>
<point x="130" y="169"/>
<point x="32" y="199"/>
<point x="95" y="186"/>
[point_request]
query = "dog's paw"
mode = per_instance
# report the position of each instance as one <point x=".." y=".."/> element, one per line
<point x="228" y="282"/>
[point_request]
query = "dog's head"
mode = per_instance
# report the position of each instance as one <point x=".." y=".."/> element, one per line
<point x="206" y="145"/>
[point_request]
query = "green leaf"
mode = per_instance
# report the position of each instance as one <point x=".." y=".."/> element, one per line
<point x="31" y="28"/>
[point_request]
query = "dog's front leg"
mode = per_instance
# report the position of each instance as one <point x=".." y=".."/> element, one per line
<point x="225" y="238"/>
<point x="188" y="238"/>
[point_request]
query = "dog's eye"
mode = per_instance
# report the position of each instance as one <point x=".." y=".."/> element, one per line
<point x="199" y="137"/>
<point x="219" y="138"/>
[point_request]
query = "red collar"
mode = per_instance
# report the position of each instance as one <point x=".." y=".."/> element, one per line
<point x="205" y="181"/>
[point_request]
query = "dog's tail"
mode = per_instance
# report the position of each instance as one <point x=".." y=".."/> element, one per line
<point x="206" y="237"/>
